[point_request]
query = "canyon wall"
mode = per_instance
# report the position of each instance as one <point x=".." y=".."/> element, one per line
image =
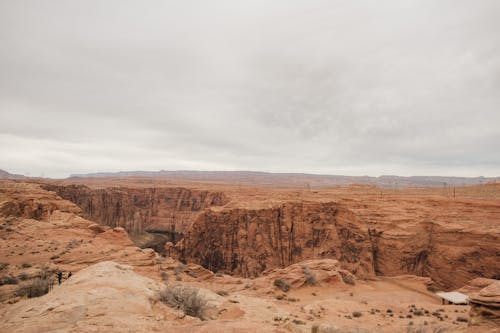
<point x="448" y="254"/>
<point x="451" y="241"/>
<point x="138" y="209"/>
<point x="247" y="242"/>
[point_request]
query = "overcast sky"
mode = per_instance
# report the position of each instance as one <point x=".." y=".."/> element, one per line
<point x="337" y="87"/>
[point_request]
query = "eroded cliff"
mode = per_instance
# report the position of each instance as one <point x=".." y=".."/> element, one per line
<point x="169" y="209"/>
<point x="246" y="231"/>
<point x="247" y="242"/>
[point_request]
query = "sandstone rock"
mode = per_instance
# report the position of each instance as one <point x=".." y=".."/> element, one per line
<point x="309" y="272"/>
<point x="97" y="228"/>
<point x="108" y="285"/>
<point x="137" y="209"/>
<point x="247" y="242"/>
<point x="485" y="306"/>
<point x="475" y="285"/>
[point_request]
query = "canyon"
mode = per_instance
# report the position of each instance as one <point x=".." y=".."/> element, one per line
<point x="244" y="231"/>
<point x="355" y="241"/>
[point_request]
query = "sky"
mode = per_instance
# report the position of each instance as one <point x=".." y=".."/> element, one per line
<point x="353" y="87"/>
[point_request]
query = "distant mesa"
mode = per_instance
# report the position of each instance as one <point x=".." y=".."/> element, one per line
<point x="6" y="175"/>
<point x="295" y="179"/>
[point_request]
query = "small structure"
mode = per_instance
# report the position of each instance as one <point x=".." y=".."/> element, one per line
<point x="454" y="297"/>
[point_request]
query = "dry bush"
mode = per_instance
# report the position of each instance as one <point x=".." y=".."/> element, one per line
<point x="7" y="279"/>
<point x="356" y="314"/>
<point x="310" y="277"/>
<point x="185" y="298"/>
<point x="164" y="276"/>
<point x="282" y="285"/>
<point x="38" y="287"/>
<point x="348" y="279"/>
<point x="432" y="288"/>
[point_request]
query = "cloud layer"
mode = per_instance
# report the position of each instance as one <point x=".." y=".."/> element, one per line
<point x="339" y="87"/>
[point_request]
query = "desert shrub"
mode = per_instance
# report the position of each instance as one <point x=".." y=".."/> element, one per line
<point x="185" y="298"/>
<point x="23" y="276"/>
<point x="3" y="265"/>
<point x="26" y="265"/>
<point x="348" y="279"/>
<point x="310" y="277"/>
<point x="462" y="319"/>
<point x="55" y="256"/>
<point x="356" y="314"/>
<point x="164" y="276"/>
<point x="179" y="269"/>
<point x="282" y="285"/>
<point x="7" y="279"/>
<point x="418" y="312"/>
<point x="192" y="274"/>
<point x="432" y="288"/>
<point x="38" y="287"/>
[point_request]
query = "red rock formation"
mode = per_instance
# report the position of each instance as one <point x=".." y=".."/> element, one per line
<point x="138" y="209"/>
<point x="247" y="242"/>
<point x="451" y="241"/>
<point x="485" y="307"/>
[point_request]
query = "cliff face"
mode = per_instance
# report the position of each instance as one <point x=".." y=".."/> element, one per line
<point x="247" y="242"/>
<point x="447" y="254"/>
<point x="139" y="209"/>
<point x="450" y="242"/>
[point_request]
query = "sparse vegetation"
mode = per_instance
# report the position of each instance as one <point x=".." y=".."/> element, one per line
<point x="462" y="319"/>
<point x="432" y="288"/>
<point x="356" y="314"/>
<point x="3" y="265"/>
<point x="26" y="265"/>
<point x="7" y="279"/>
<point x="282" y="285"/>
<point x="38" y="287"/>
<point x="185" y="298"/>
<point x="164" y="276"/>
<point x="348" y="279"/>
<point x="192" y="274"/>
<point x="309" y="275"/>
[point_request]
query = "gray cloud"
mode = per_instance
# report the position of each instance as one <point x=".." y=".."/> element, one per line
<point x="353" y="87"/>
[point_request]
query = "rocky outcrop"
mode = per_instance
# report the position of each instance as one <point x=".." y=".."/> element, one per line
<point x="450" y="242"/>
<point x="310" y="273"/>
<point x="485" y="306"/>
<point x="29" y="201"/>
<point x="448" y="251"/>
<point x="247" y="242"/>
<point x="138" y="209"/>
<point x="66" y="308"/>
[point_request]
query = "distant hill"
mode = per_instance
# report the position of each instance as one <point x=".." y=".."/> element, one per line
<point x="295" y="179"/>
<point x="6" y="175"/>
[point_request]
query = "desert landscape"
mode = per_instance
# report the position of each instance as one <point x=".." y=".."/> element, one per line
<point x="160" y="254"/>
<point x="235" y="166"/>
